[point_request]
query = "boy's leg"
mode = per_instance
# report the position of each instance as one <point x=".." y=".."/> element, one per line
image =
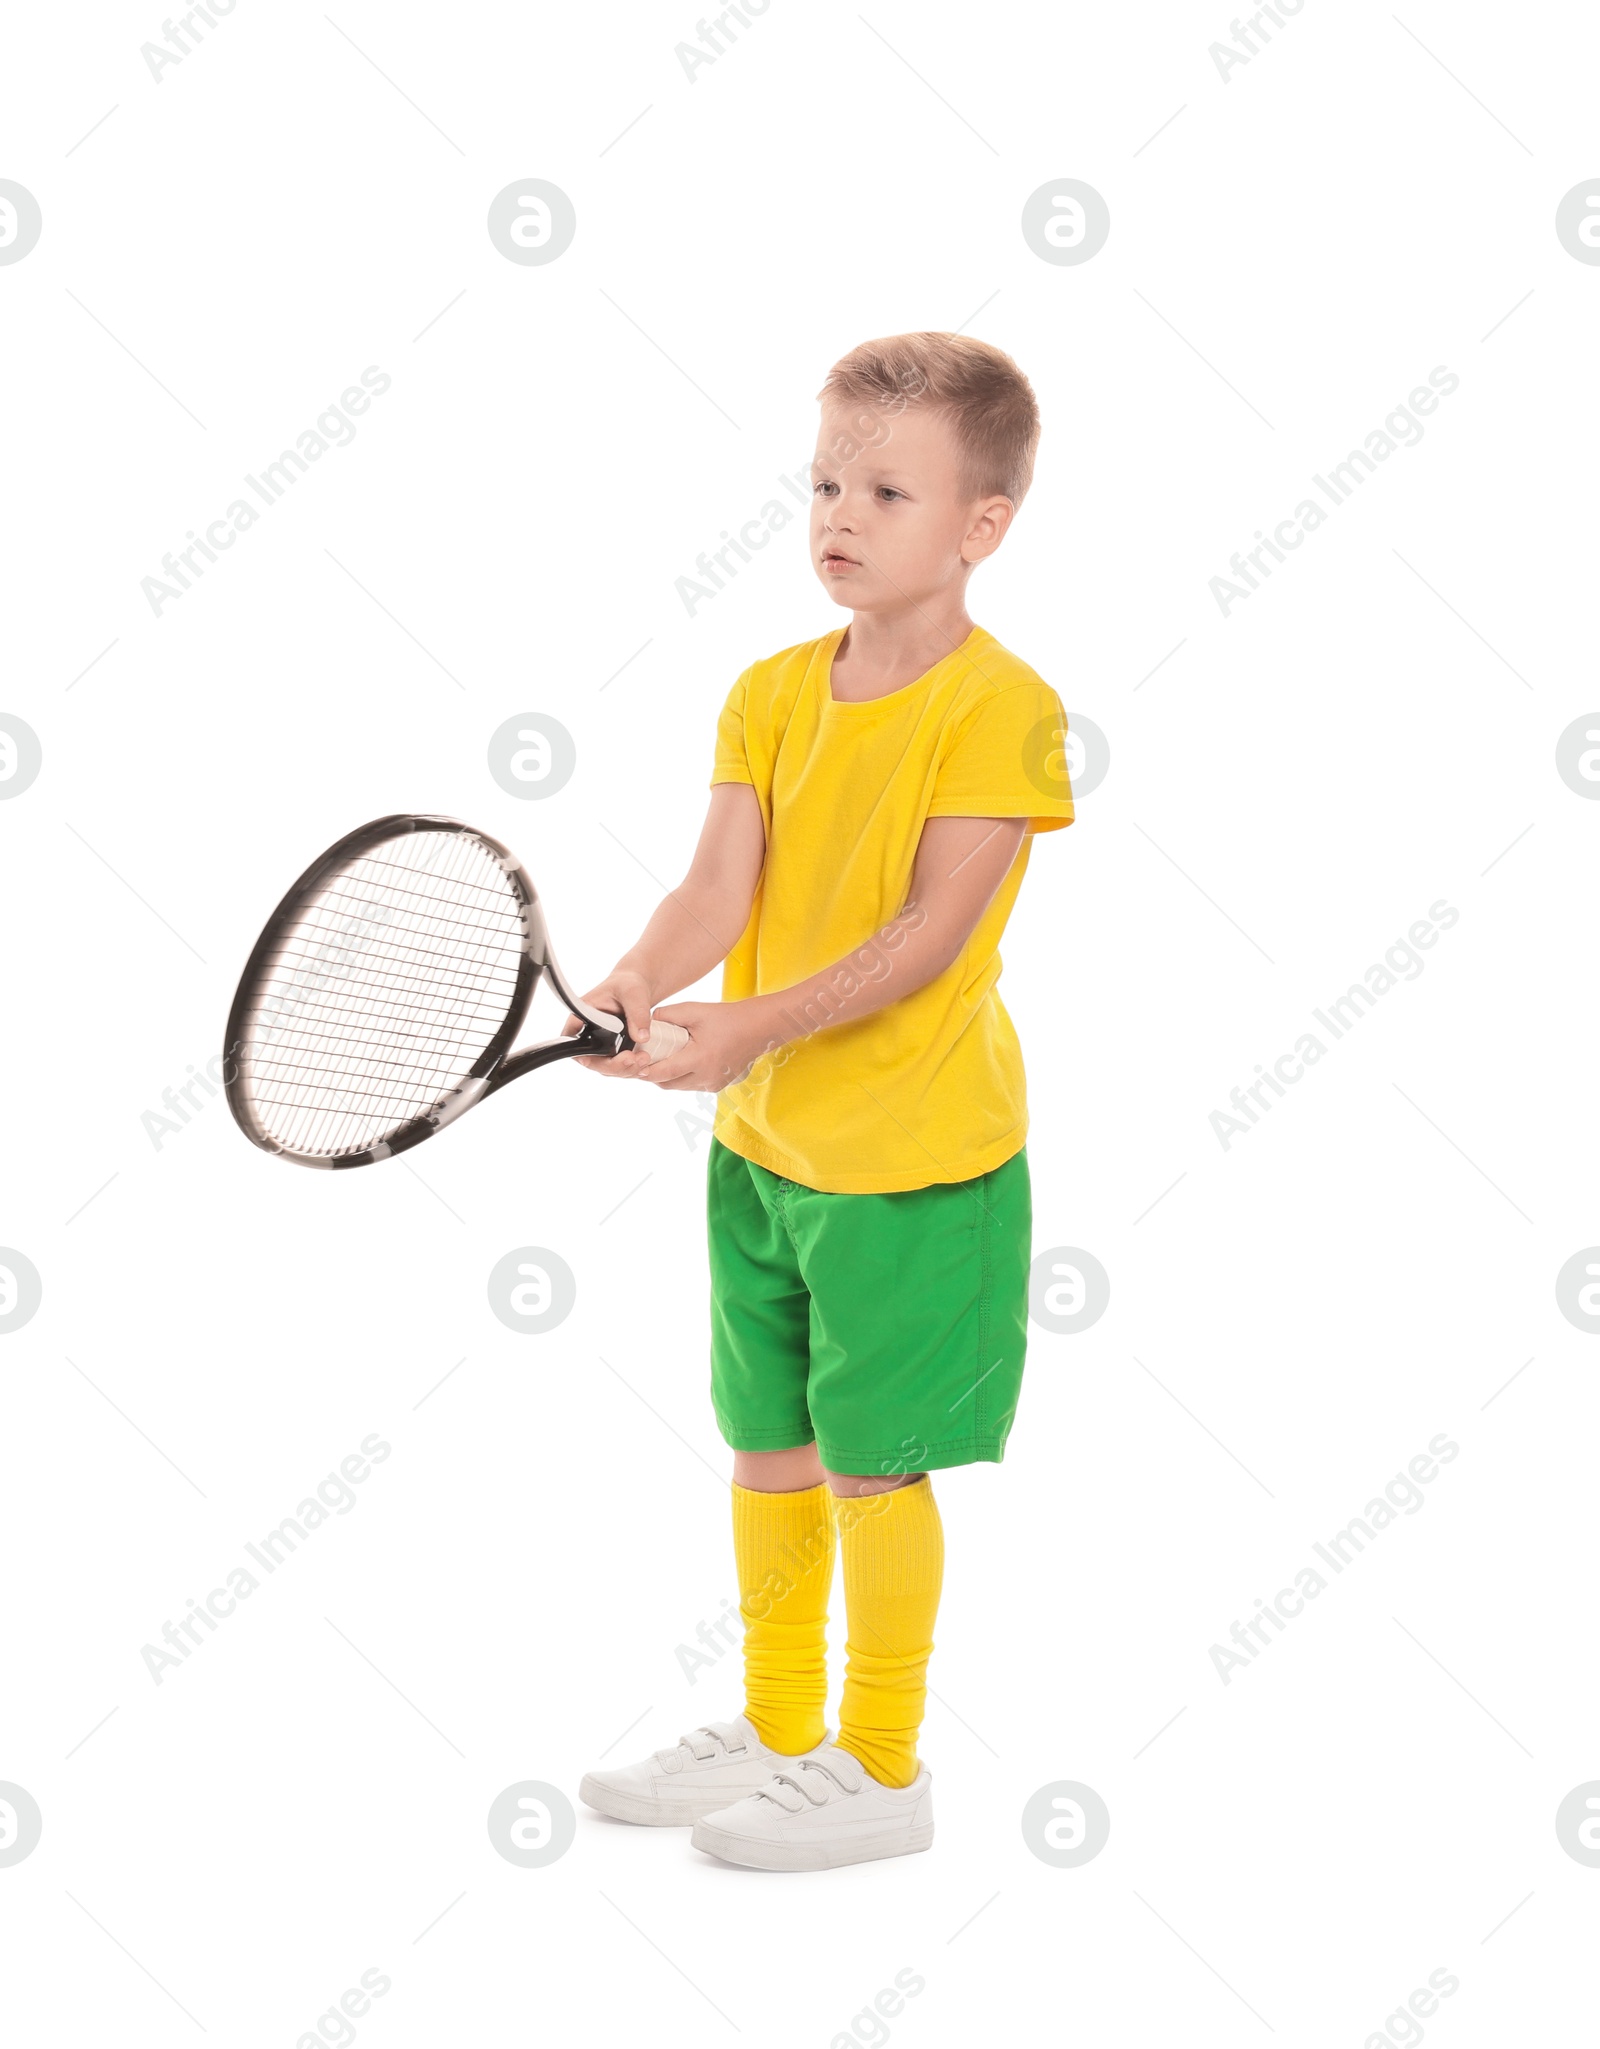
<point x="783" y="1541"/>
<point x="918" y="1327"/>
<point x="892" y="1543"/>
<point x="864" y="1795"/>
<point x="783" y="1535"/>
<point x="920" y="1303"/>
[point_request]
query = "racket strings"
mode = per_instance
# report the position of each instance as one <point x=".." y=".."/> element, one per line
<point x="396" y="975"/>
<point x="471" y="927"/>
<point x="369" y="989"/>
<point x="405" y="959"/>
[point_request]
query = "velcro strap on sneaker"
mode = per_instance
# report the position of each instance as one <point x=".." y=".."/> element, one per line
<point x="846" y="1771"/>
<point x="702" y="1744"/>
<point x="813" y="1781"/>
<point x="785" y="1790"/>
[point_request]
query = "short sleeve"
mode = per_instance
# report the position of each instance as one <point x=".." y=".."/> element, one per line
<point x="731" y="763"/>
<point x="1007" y="758"/>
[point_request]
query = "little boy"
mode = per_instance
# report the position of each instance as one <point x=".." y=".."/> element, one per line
<point x="868" y="1203"/>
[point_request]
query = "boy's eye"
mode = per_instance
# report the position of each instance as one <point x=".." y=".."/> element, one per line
<point x="824" y="485"/>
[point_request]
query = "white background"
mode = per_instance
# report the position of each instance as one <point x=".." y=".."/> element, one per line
<point x="1290" y="788"/>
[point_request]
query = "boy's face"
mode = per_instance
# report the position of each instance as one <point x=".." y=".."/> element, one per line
<point x="889" y="521"/>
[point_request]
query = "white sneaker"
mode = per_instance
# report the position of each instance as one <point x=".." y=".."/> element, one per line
<point x="820" y="1810"/>
<point x="717" y="1763"/>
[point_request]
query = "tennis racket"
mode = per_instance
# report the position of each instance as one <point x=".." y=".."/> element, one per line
<point x="382" y="999"/>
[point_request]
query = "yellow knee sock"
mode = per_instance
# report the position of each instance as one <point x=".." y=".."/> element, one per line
<point x="893" y="1547"/>
<point x="784" y="1547"/>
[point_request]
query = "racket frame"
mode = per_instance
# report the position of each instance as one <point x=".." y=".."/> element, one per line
<point x="495" y="1066"/>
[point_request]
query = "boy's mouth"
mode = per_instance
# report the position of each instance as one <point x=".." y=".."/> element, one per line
<point x="836" y="559"/>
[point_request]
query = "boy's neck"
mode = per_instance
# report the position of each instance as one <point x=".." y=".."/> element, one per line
<point x="906" y="645"/>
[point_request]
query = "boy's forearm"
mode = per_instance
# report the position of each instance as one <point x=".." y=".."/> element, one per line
<point x="960" y="864"/>
<point x="690" y="932"/>
<point x="900" y="958"/>
<point x="698" y="924"/>
<point x="957" y="869"/>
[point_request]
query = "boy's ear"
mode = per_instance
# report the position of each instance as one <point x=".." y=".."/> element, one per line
<point x="989" y="526"/>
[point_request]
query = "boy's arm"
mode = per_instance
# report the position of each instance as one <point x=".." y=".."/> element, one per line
<point x="693" y="927"/>
<point x="960" y="864"/>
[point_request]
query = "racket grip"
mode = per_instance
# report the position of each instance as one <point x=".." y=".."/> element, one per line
<point x="664" y="1038"/>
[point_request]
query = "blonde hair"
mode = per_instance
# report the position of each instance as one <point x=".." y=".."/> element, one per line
<point x="977" y="387"/>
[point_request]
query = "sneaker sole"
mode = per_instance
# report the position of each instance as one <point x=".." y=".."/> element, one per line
<point x="764" y="1856"/>
<point x="645" y="1813"/>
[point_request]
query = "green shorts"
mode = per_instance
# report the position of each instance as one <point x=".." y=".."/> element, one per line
<point x="889" y="1329"/>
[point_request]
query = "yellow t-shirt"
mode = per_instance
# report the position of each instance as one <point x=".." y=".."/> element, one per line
<point x="930" y="1088"/>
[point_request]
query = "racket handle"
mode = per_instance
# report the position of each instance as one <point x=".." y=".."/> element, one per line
<point x="664" y="1038"/>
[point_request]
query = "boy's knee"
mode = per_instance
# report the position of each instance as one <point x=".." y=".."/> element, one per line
<point x="852" y="1485"/>
<point x="791" y="1471"/>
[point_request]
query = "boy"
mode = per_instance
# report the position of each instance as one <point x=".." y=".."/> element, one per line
<point x="868" y="1201"/>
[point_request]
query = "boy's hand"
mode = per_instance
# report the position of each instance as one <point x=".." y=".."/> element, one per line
<point x="725" y="1040"/>
<point x="626" y="995"/>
